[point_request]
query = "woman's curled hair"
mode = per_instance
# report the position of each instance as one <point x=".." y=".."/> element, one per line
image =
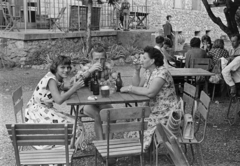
<point x="59" y="60"/>
<point x="154" y="54"/>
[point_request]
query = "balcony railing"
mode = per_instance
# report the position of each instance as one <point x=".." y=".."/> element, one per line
<point x="41" y="14"/>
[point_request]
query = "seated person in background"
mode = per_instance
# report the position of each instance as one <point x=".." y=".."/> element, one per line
<point x="156" y="83"/>
<point x="159" y="45"/>
<point x="194" y="52"/>
<point x="235" y="40"/>
<point x="40" y="108"/>
<point x="167" y="51"/>
<point x="218" y="51"/>
<point x="206" y="43"/>
<point x="159" y="42"/>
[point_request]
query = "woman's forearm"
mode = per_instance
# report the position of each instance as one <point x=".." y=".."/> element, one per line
<point x="136" y="78"/>
<point x="142" y="91"/>
<point x="66" y="95"/>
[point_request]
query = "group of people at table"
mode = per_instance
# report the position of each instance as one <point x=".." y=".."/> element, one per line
<point x="223" y="62"/>
<point x="154" y="82"/>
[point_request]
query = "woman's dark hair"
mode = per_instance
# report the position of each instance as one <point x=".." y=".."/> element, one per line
<point x="167" y="42"/>
<point x="218" y="43"/>
<point x="206" y="38"/>
<point x="59" y="60"/>
<point x="159" y="39"/>
<point x="155" y="54"/>
<point x="195" y="42"/>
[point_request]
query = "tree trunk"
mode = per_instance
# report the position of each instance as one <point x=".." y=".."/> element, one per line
<point x="88" y="37"/>
<point x="230" y="11"/>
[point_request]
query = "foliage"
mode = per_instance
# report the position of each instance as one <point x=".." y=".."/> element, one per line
<point x="45" y="52"/>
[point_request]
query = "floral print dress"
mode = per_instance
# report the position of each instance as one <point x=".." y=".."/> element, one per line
<point x="161" y="105"/>
<point x="40" y="107"/>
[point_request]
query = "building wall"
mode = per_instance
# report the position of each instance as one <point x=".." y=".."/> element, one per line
<point x="186" y="20"/>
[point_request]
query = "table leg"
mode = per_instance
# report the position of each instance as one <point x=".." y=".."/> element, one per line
<point x="75" y="125"/>
<point x="206" y="85"/>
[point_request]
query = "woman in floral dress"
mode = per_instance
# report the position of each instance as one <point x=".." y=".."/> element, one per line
<point x="48" y="91"/>
<point x="156" y="83"/>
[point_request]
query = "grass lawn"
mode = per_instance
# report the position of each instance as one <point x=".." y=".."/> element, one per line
<point x="221" y="145"/>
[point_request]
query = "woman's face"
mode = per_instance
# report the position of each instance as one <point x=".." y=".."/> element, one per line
<point x="63" y="71"/>
<point x="146" y="62"/>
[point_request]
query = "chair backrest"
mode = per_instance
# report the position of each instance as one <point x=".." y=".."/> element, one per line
<point x="115" y="114"/>
<point x="203" y="109"/>
<point x="60" y="14"/>
<point x="172" y="145"/>
<point x="39" y="134"/>
<point x="17" y="99"/>
<point x="203" y="63"/>
<point x="189" y="93"/>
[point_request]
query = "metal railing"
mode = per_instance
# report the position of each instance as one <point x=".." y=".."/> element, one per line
<point x="48" y="14"/>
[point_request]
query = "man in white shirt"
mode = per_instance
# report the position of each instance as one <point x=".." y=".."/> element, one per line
<point x="231" y="73"/>
<point x="235" y="40"/>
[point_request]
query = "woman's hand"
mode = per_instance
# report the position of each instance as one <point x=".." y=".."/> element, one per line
<point x="78" y="83"/>
<point x="124" y="89"/>
<point x="95" y="66"/>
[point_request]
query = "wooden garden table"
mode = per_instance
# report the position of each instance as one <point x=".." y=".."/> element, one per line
<point x="81" y="98"/>
<point x="181" y="72"/>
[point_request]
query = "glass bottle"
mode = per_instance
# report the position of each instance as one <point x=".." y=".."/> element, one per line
<point x="95" y="86"/>
<point x="119" y="82"/>
<point x="92" y="81"/>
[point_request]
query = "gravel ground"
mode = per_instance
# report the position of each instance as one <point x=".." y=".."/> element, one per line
<point x="221" y="146"/>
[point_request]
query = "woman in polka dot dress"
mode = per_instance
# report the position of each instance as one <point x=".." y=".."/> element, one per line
<point x="48" y="91"/>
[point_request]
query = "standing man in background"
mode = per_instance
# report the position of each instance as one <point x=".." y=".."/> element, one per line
<point x="167" y="28"/>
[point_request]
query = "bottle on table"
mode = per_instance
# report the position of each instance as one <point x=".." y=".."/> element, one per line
<point x="90" y="82"/>
<point x="119" y="82"/>
<point x="95" y="86"/>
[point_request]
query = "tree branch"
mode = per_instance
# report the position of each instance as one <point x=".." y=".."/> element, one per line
<point x="215" y="19"/>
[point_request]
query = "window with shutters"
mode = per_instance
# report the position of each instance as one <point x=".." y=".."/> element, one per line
<point x="178" y="4"/>
<point x="196" y="4"/>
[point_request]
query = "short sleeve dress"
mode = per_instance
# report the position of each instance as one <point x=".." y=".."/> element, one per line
<point x="40" y="107"/>
<point x="161" y="105"/>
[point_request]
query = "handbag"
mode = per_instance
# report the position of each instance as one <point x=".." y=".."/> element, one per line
<point x="81" y="141"/>
<point x="188" y="127"/>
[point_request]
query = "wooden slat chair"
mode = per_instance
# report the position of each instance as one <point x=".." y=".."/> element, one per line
<point x="172" y="145"/>
<point x="122" y="147"/>
<point x="9" y="18"/>
<point x="41" y="134"/>
<point x="189" y="97"/>
<point x="203" y="63"/>
<point x="201" y="121"/>
<point x="55" y="22"/>
<point x="17" y="99"/>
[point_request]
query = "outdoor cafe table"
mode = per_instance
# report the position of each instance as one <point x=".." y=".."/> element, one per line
<point x="179" y="72"/>
<point x="81" y="98"/>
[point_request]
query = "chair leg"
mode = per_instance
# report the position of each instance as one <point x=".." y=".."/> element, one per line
<point x="213" y="93"/>
<point x="96" y="157"/>
<point x="132" y="161"/>
<point x="156" y="155"/>
<point x="236" y="115"/>
<point x="199" y="151"/>
<point x="185" y="148"/>
<point x="193" y="157"/>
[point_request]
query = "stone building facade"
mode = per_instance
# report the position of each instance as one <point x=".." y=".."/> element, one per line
<point x="189" y="17"/>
